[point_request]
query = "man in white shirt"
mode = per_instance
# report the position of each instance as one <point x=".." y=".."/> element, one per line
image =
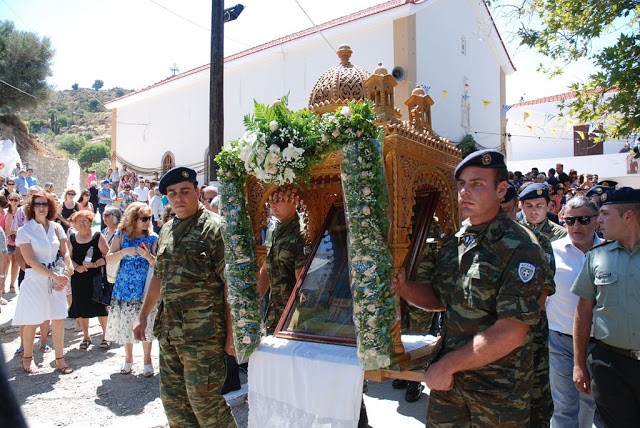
<point x="571" y="407"/>
<point x="142" y="191"/>
<point x="114" y="177"/>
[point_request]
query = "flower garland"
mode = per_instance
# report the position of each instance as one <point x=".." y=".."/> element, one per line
<point x="240" y="265"/>
<point x="280" y="147"/>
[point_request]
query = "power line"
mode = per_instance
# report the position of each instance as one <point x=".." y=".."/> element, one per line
<point x="180" y="16"/>
<point x="18" y="89"/>
<point x="313" y="23"/>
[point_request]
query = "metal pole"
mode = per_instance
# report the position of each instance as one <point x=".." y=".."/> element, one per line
<point x="216" y="86"/>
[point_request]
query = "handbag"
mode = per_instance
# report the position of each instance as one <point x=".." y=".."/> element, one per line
<point x="102" y="289"/>
<point x="113" y="268"/>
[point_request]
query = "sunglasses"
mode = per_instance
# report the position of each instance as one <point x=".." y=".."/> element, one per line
<point x="11" y="184"/>
<point x="144" y="219"/>
<point x="584" y="220"/>
<point x="40" y="204"/>
<point x="171" y="215"/>
<point x="71" y="194"/>
<point x="14" y="200"/>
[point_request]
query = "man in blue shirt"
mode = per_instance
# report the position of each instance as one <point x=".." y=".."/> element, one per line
<point x="22" y="185"/>
<point x="106" y="197"/>
<point x="31" y="180"/>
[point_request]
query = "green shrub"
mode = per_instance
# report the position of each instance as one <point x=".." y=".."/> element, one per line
<point x="468" y="145"/>
<point x="100" y="168"/>
<point x="92" y="153"/>
<point x="70" y="143"/>
<point x="35" y="125"/>
<point x="88" y="135"/>
<point x="75" y="86"/>
<point x="93" y="105"/>
<point x="97" y="84"/>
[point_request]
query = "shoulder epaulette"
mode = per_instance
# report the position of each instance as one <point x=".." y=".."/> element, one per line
<point x="601" y="244"/>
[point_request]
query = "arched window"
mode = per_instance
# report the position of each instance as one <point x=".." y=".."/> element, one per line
<point x="168" y="162"/>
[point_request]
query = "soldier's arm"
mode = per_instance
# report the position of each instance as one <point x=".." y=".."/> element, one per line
<point x="581" y="333"/>
<point x="152" y="297"/>
<point x="263" y="280"/>
<point x="419" y="294"/>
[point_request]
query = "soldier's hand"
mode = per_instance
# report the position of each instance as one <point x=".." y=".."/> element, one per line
<point x="438" y="378"/>
<point x="581" y="378"/>
<point x="139" y="330"/>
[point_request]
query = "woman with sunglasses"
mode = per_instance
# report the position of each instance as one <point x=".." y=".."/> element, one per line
<point x="83" y="201"/>
<point x="41" y="297"/>
<point x="69" y="205"/>
<point x="10" y="187"/>
<point x="14" y="203"/>
<point x="111" y="219"/>
<point x="134" y="247"/>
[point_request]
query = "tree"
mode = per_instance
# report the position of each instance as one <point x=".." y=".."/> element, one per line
<point x="97" y="84"/>
<point x="70" y="143"/>
<point x="92" y="153"/>
<point x="100" y="168"/>
<point x="25" y="63"/>
<point x="93" y="105"/>
<point x="570" y="30"/>
<point x="75" y="86"/>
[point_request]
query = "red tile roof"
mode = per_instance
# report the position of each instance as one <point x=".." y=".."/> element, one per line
<point x="552" y="99"/>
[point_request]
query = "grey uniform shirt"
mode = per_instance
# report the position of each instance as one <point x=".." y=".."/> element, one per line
<point x="610" y="277"/>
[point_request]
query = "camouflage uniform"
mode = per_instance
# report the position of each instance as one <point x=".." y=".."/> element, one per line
<point x="548" y="228"/>
<point x="286" y="253"/>
<point x="541" y="400"/>
<point x="418" y="320"/>
<point x="191" y="322"/>
<point x="485" y="273"/>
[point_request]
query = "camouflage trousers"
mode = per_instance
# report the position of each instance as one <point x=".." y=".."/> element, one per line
<point x="458" y="408"/>
<point x="541" y="401"/>
<point x="418" y="321"/>
<point x="274" y="312"/>
<point x="191" y="377"/>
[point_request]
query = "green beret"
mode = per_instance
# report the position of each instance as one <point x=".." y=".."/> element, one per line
<point x="177" y="175"/>
<point x="488" y="158"/>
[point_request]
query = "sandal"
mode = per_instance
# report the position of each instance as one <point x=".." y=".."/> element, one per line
<point x="104" y="344"/>
<point x="3" y="301"/>
<point x="148" y="370"/>
<point x="19" y="352"/>
<point x="32" y="369"/>
<point x="46" y="349"/>
<point x="64" y="370"/>
<point x="126" y="368"/>
<point x="85" y="344"/>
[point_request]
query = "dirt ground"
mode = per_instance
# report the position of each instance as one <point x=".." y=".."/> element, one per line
<point x="95" y="394"/>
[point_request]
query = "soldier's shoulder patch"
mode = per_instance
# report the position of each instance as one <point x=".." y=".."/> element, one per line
<point x="548" y="257"/>
<point x="602" y="244"/>
<point x="526" y="272"/>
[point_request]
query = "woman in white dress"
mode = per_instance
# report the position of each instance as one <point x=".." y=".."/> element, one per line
<point x="42" y="295"/>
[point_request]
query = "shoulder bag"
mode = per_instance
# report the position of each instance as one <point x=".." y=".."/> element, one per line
<point x="113" y="268"/>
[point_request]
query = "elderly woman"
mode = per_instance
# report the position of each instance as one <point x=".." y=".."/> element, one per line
<point x="41" y="297"/>
<point x="111" y="218"/>
<point x="134" y="248"/>
<point x="83" y="307"/>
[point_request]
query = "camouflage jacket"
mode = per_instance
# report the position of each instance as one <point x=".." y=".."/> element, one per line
<point x="500" y="274"/>
<point x="190" y="265"/>
<point x="548" y="228"/>
<point x="545" y="244"/>
<point x="286" y="253"/>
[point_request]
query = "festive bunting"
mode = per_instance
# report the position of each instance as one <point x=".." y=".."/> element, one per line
<point x="444" y="94"/>
<point x="426" y="88"/>
<point x="527" y="113"/>
<point x="505" y="108"/>
<point x="548" y="117"/>
<point x="486" y="103"/>
<point x="530" y="128"/>
<point x="555" y="131"/>
<point x="581" y="134"/>
<point x="465" y="97"/>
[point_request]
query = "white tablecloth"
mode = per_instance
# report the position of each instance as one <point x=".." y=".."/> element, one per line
<point x="304" y="384"/>
<point x="308" y="385"/>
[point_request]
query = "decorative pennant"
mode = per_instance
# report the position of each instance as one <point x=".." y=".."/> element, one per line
<point x="505" y="108"/>
<point x="486" y="103"/>
<point x="548" y="117"/>
<point x="426" y="88"/>
<point x="555" y="131"/>
<point x="530" y="128"/>
<point x="444" y="93"/>
<point x="465" y="97"/>
<point x="527" y="113"/>
<point x="570" y="123"/>
<point x="581" y="134"/>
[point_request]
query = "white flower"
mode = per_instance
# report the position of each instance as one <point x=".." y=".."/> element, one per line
<point x="289" y="175"/>
<point x="348" y="130"/>
<point x="235" y="237"/>
<point x="292" y="152"/>
<point x="242" y="312"/>
<point x="335" y="133"/>
<point x="371" y="322"/>
<point x="365" y="173"/>
<point x="261" y="175"/>
<point x="373" y="352"/>
<point x="242" y="323"/>
<point x="246" y="340"/>
<point x="234" y="223"/>
<point x="228" y="174"/>
<point x="370" y="271"/>
<point x="367" y="258"/>
<point x="366" y="210"/>
<point x="370" y="336"/>
<point x="359" y="133"/>
<point x="371" y="308"/>
<point x="325" y="138"/>
<point x="346" y="111"/>
<point x="366" y="191"/>
<point x="273" y="125"/>
<point x="238" y="249"/>
<point x="357" y="309"/>
<point x="366" y="241"/>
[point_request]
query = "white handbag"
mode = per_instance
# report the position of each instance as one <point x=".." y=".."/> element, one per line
<point x="113" y="268"/>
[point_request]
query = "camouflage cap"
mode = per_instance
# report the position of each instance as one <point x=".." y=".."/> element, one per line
<point x="488" y="158"/>
<point x="598" y="190"/>
<point x="510" y="195"/>
<point x="177" y="175"/>
<point x="534" y="191"/>
<point x="625" y="195"/>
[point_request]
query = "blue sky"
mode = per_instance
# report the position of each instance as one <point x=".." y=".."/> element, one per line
<point x="134" y="43"/>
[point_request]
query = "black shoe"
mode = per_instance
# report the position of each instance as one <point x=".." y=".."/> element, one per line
<point x="363" y="422"/>
<point x="229" y="388"/>
<point x="414" y="390"/>
<point x="399" y="384"/>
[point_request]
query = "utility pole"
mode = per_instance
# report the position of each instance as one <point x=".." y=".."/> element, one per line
<point x="219" y="16"/>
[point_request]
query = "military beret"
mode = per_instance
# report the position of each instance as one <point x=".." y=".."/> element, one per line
<point x="176" y="175"/>
<point x="608" y="183"/>
<point x="488" y="158"/>
<point x="511" y="193"/>
<point x="598" y="190"/>
<point x="534" y="191"/>
<point x="624" y="195"/>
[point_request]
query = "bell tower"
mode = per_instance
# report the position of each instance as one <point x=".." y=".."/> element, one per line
<point x="379" y="88"/>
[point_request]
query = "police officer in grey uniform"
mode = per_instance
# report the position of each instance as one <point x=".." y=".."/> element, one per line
<point x="609" y="290"/>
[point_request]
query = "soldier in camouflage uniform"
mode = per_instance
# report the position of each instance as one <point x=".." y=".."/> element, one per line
<point x="286" y="256"/>
<point x="532" y="198"/>
<point x="489" y="277"/>
<point x="191" y="322"/>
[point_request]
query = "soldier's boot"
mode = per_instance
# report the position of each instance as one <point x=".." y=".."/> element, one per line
<point x="414" y="390"/>
<point x="364" y="419"/>
<point x="399" y="384"/>
<point x="232" y="382"/>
